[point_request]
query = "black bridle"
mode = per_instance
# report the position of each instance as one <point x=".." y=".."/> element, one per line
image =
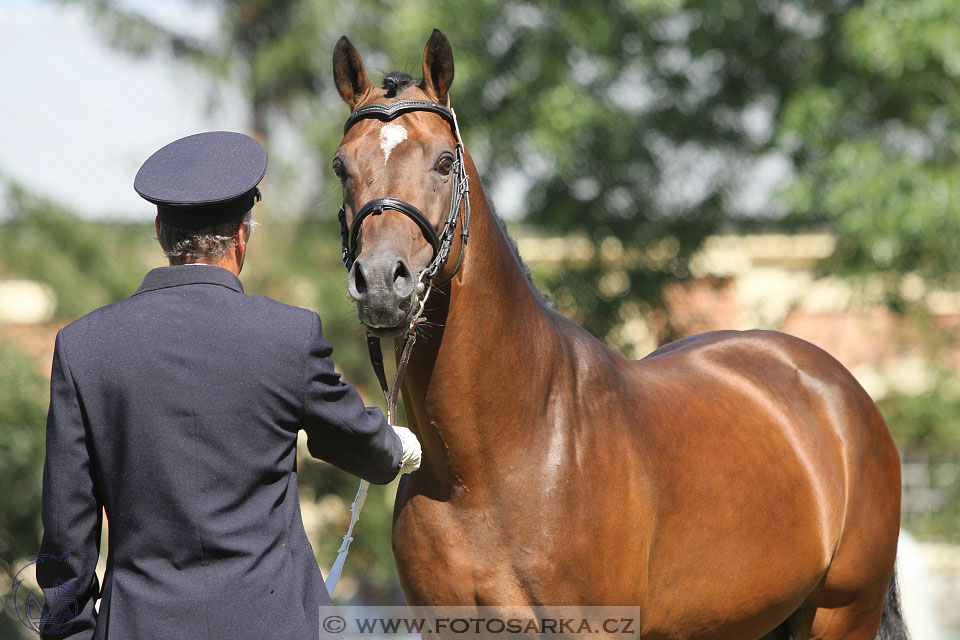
<point x="460" y="197"/>
<point x="441" y="242"/>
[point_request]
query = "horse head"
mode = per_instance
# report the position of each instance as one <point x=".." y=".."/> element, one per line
<point x="401" y="166"/>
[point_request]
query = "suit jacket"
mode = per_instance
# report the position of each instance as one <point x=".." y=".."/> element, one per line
<point x="177" y="410"/>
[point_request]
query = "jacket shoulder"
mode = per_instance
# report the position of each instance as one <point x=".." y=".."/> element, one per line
<point x="275" y="311"/>
<point x="278" y="307"/>
<point x="253" y="310"/>
<point x="96" y="319"/>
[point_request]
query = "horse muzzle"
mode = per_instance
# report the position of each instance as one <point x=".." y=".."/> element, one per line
<point x="384" y="289"/>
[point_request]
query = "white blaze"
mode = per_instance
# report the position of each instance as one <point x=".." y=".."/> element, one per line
<point x="390" y="136"/>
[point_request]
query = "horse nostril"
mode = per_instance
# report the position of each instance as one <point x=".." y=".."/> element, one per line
<point x="400" y="271"/>
<point x="402" y="279"/>
<point x="360" y="282"/>
<point x="356" y="282"/>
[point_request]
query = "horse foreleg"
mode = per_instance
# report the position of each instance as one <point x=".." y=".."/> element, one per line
<point x="780" y="633"/>
<point x="873" y="618"/>
<point x="858" y="620"/>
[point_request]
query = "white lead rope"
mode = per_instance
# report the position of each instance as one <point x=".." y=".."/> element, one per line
<point x="334" y="576"/>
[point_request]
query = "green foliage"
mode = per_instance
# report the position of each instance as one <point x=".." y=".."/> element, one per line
<point x="23" y="404"/>
<point x="643" y="119"/>
<point x="939" y="524"/>
<point x="927" y="430"/>
<point x="876" y="140"/>
<point x="927" y="422"/>
<point x="267" y="48"/>
<point x="87" y="264"/>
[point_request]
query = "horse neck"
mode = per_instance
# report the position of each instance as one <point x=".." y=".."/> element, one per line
<point x="473" y="375"/>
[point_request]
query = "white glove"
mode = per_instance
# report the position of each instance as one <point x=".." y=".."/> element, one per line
<point x="410" y="460"/>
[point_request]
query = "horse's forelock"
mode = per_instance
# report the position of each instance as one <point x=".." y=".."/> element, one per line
<point x="395" y="82"/>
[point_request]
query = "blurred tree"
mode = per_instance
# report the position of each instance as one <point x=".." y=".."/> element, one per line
<point x="927" y="422"/>
<point x="87" y="264"/>
<point x="23" y="406"/>
<point x="875" y="139"/>
<point x="265" y="47"/>
<point x="927" y="428"/>
<point x="268" y="48"/>
<point x="648" y="120"/>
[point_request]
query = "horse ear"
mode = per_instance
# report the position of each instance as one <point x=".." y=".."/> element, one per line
<point x="348" y="73"/>
<point x="438" y="68"/>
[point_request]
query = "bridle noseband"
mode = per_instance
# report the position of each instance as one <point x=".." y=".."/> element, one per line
<point x="442" y="241"/>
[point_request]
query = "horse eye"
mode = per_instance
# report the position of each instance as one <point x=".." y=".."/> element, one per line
<point x="339" y="169"/>
<point x="444" y="165"/>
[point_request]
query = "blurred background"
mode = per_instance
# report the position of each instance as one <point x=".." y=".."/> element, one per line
<point x="666" y="166"/>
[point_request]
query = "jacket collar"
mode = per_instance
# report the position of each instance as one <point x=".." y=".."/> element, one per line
<point x="180" y="275"/>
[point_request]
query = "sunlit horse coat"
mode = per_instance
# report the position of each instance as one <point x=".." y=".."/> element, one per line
<point x="177" y="410"/>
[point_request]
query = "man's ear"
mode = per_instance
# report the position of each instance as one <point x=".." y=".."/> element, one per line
<point x="156" y="226"/>
<point x="241" y="250"/>
<point x="243" y="235"/>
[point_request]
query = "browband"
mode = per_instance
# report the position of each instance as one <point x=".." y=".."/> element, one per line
<point x="390" y="111"/>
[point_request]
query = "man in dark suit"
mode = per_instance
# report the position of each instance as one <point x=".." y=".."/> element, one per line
<point x="177" y="411"/>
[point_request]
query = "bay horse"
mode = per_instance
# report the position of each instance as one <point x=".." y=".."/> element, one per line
<point x="730" y="485"/>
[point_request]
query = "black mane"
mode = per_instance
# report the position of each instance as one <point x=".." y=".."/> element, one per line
<point x="395" y="82"/>
<point x="545" y="297"/>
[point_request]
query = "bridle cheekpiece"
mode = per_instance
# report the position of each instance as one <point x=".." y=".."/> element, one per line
<point x="442" y="241"/>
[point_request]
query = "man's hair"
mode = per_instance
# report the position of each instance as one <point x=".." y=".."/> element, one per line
<point x="209" y="244"/>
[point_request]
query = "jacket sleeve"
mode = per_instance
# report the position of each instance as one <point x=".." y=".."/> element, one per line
<point x="71" y="515"/>
<point x="340" y="429"/>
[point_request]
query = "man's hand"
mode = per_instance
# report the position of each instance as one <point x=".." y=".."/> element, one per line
<point x="411" y="449"/>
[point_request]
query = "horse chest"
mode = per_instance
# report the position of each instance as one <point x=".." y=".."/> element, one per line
<point x="448" y="553"/>
<point x="445" y="555"/>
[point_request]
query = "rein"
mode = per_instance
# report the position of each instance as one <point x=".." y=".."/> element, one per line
<point x="441" y="243"/>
